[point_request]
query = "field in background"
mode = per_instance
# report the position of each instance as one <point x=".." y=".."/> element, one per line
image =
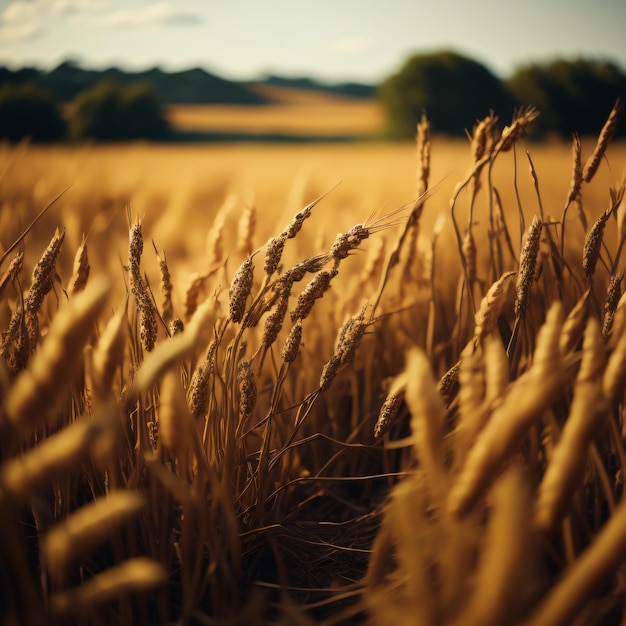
<point x="292" y="112"/>
<point x="242" y="459"/>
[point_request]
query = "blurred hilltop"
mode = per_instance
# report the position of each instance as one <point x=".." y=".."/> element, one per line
<point x="193" y="86"/>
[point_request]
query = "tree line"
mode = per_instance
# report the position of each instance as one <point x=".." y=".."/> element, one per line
<point x="454" y="91"/>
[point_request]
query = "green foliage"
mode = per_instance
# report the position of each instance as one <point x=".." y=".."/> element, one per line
<point x="28" y="111"/>
<point x="454" y="91"/>
<point x="110" y="111"/>
<point x="571" y="95"/>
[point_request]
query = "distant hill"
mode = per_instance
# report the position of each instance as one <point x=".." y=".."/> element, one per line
<point x="193" y="86"/>
<point x="353" y="90"/>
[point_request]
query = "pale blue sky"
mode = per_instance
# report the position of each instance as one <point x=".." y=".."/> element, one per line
<point x="327" y="39"/>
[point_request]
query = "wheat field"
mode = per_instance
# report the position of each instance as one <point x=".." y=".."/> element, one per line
<point x="361" y="383"/>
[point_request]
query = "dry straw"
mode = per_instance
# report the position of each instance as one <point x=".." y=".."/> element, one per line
<point x="132" y="576"/>
<point x="81" y="270"/>
<point x="570" y="453"/>
<point x="491" y="306"/>
<point x="292" y="343"/>
<point x="427" y="420"/>
<point x="521" y="407"/>
<point x="240" y="289"/>
<point x="167" y="309"/>
<point x="109" y="354"/>
<point x="32" y="397"/>
<point x="606" y="135"/>
<point x="505" y="563"/>
<point x="388" y="413"/>
<point x="527" y="265"/>
<point x="84" y="529"/>
<point x="57" y="457"/>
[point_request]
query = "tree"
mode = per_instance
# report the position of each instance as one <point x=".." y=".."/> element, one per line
<point x="452" y="89"/>
<point x="28" y="111"/>
<point x="110" y="111"/>
<point x="573" y="96"/>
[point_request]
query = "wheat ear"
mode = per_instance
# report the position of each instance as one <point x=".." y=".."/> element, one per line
<point x="86" y="528"/>
<point x="521" y="407"/>
<point x="31" y="399"/>
<point x="132" y="576"/>
<point x="570" y="454"/>
<point x="604" y="139"/>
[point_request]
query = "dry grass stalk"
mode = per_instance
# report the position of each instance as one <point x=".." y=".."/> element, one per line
<point x="574" y="325"/>
<point x="109" y="354"/>
<point x="240" y="289"/>
<point x="58" y="456"/>
<point x="245" y="231"/>
<point x="423" y="144"/>
<point x="527" y="263"/>
<point x="199" y="387"/>
<point x="292" y="343"/>
<point x="41" y="285"/>
<point x="570" y="453"/>
<point x="84" y="529"/>
<point x="614" y="378"/>
<point x="577" y="171"/>
<point x="470" y="254"/>
<point x="613" y="295"/>
<point x="581" y="580"/>
<point x="517" y="129"/>
<point x="273" y="253"/>
<point x="167" y="309"/>
<point x="593" y="243"/>
<point x="175" y="418"/>
<point x="275" y="319"/>
<point x="80" y="273"/>
<point x="521" y="407"/>
<point x="471" y="382"/>
<point x="192" y="293"/>
<point x="247" y="390"/>
<point x="32" y="397"/>
<point x="604" y="139"/>
<point x="15" y="267"/>
<point x="486" y="318"/>
<point x="505" y="563"/>
<point x="132" y="576"/>
<point x="167" y="353"/>
<point x="497" y="373"/>
<point x="140" y="291"/>
<point x="427" y="420"/>
<point x="398" y="541"/>
<point x="388" y="413"/>
<point x="315" y="290"/>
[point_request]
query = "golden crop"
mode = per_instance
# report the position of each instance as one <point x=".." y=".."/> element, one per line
<point x="368" y="382"/>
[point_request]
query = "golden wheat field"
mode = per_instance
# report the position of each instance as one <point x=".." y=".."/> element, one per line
<point x="299" y="384"/>
<point x="302" y="112"/>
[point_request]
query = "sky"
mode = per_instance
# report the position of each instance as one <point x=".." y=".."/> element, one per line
<point x="331" y="40"/>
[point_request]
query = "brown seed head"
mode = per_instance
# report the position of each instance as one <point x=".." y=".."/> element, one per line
<point x="292" y="343"/>
<point x="593" y="242"/>
<point x="528" y="262"/>
<point x="240" y="290"/>
<point x="606" y="136"/>
<point x="316" y="289"/>
<point x="273" y="253"/>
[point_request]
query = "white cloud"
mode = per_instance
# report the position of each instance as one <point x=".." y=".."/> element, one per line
<point x="67" y="7"/>
<point x="353" y="45"/>
<point x="12" y="33"/>
<point x="20" y="22"/>
<point x="158" y="14"/>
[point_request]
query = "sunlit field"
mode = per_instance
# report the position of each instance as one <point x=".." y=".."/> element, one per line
<point x="356" y="383"/>
<point x="292" y="111"/>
